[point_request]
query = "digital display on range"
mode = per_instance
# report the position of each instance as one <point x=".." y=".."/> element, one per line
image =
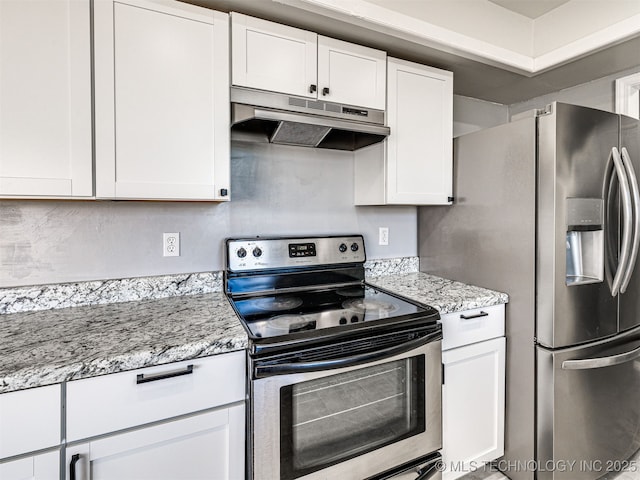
<point x="302" y="250"/>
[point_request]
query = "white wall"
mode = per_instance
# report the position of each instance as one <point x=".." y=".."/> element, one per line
<point x="598" y="94"/>
<point x="471" y="114"/>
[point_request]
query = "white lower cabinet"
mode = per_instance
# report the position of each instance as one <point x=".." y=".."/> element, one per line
<point x="30" y="421"/>
<point x="44" y="466"/>
<point x="183" y="421"/>
<point x="203" y="446"/>
<point x="473" y="394"/>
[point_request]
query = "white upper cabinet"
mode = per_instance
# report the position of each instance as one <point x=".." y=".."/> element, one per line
<point x="161" y="101"/>
<point x="351" y="74"/>
<point x="277" y="58"/>
<point x="274" y="57"/>
<point x="415" y="166"/>
<point x="45" y="99"/>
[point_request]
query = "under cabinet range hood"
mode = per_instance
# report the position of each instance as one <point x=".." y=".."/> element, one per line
<point x="290" y="120"/>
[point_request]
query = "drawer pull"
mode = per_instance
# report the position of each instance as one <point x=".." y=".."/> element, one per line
<point x="161" y="376"/>
<point x="477" y="315"/>
<point x="72" y="466"/>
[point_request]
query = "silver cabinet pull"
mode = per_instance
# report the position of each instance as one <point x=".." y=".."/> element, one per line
<point x="142" y="378"/>
<point x="477" y="315"/>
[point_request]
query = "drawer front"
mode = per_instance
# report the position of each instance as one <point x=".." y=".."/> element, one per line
<point x="100" y="405"/>
<point x="29" y="420"/>
<point x="471" y="326"/>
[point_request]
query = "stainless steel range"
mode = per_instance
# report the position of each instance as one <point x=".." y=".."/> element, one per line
<point x="344" y="379"/>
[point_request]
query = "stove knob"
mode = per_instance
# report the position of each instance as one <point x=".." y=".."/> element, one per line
<point x="257" y="252"/>
<point x="354" y="247"/>
<point x="241" y="252"/>
<point x="343" y="321"/>
<point x="342" y="247"/>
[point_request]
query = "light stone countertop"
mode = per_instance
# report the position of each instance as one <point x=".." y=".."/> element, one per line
<point x="444" y="295"/>
<point x="46" y="347"/>
<point x="52" y="346"/>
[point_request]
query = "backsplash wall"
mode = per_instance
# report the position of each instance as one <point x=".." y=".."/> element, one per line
<point x="275" y="190"/>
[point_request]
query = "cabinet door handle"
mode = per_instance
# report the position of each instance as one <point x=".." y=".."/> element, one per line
<point x="72" y="466"/>
<point x="477" y="315"/>
<point x="325" y="91"/>
<point x="161" y="376"/>
<point x="312" y="88"/>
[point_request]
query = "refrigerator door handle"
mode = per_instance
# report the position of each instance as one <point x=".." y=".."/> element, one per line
<point x="635" y="243"/>
<point x="599" y="362"/>
<point x="626" y="221"/>
<point x="611" y="247"/>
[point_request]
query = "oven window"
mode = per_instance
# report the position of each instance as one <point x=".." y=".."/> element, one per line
<point x="331" y="419"/>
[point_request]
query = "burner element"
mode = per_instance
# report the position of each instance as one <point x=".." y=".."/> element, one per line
<point x="290" y="323"/>
<point x="369" y="305"/>
<point x="277" y="304"/>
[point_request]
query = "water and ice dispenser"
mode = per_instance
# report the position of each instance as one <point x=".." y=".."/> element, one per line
<point x="585" y="241"/>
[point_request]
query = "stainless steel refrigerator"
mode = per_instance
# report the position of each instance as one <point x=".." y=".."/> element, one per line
<point x="547" y="209"/>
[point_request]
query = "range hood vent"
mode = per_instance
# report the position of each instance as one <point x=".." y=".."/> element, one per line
<point x="287" y="120"/>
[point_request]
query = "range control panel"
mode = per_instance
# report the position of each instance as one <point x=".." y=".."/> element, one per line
<point x="247" y="254"/>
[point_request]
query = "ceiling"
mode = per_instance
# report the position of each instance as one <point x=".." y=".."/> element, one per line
<point x="530" y="8"/>
<point x="476" y="73"/>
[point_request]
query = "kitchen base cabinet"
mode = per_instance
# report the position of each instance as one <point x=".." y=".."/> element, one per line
<point x="204" y="446"/>
<point x="161" y="101"/>
<point x="414" y="166"/>
<point x="30" y="420"/>
<point x="45" y="466"/>
<point x="183" y="420"/>
<point x="473" y="397"/>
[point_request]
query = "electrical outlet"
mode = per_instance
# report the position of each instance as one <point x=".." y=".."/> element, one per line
<point x="171" y="244"/>
<point x="383" y="236"/>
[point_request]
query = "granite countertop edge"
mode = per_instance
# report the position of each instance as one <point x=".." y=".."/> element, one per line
<point x="142" y="333"/>
<point x="49" y="347"/>
<point x="446" y="296"/>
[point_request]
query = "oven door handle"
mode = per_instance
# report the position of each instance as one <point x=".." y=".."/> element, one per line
<point x="262" y="371"/>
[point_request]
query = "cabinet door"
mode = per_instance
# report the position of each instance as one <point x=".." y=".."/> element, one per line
<point x="351" y="74"/>
<point x="30" y="420"/>
<point x="274" y="57"/>
<point x="161" y="101"/>
<point x="205" y="446"/>
<point x="45" y="466"/>
<point x="419" y="148"/>
<point x="45" y="99"/>
<point x="473" y="405"/>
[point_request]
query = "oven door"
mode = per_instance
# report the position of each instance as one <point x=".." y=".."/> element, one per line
<point x="358" y="416"/>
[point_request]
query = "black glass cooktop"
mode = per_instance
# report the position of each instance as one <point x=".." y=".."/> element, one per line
<point x="289" y="313"/>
